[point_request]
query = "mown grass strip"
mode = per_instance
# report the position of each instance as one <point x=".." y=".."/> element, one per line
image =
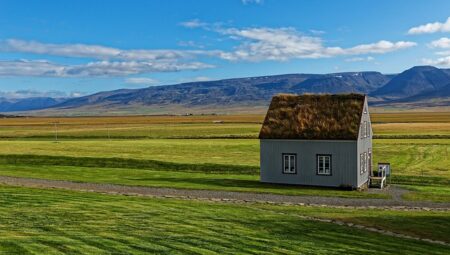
<point x="23" y="159"/>
<point x="62" y="222"/>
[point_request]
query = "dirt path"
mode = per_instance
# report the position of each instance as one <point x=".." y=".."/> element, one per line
<point x="230" y="196"/>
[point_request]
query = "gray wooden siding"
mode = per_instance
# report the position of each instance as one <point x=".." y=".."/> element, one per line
<point x="344" y="170"/>
<point x="364" y="144"/>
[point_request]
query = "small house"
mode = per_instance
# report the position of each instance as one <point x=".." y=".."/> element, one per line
<point x="318" y="140"/>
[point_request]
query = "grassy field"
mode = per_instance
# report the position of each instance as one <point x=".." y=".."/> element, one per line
<point x="84" y="153"/>
<point x="64" y="222"/>
<point x="229" y="164"/>
<point x="178" y="152"/>
<point x="415" y="157"/>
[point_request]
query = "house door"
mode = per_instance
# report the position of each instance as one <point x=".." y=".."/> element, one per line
<point x="369" y="161"/>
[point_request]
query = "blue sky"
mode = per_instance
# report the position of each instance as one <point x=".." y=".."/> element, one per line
<point x="63" y="48"/>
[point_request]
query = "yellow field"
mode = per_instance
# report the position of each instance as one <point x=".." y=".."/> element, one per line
<point x="200" y="126"/>
<point x="402" y="117"/>
<point x="150" y="119"/>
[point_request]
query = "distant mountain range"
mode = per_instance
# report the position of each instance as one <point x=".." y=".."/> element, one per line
<point x="28" y="104"/>
<point x="420" y="86"/>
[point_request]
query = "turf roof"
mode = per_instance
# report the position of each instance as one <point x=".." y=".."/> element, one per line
<point x="313" y="117"/>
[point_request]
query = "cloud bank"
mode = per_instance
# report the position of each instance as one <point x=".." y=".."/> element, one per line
<point x="251" y="45"/>
<point x="259" y="44"/>
<point x="142" y="81"/>
<point x="431" y="28"/>
<point x="92" y="69"/>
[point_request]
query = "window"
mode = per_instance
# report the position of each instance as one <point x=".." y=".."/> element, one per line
<point x="290" y="163"/>
<point x="365" y="162"/>
<point x="361" y="163"/>
<point x="365" y="110"/>
<point x="324" y="164"/>
<point x="368" y="129"/>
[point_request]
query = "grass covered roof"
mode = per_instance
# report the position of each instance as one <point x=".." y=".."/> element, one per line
<point x="314" y="117"/>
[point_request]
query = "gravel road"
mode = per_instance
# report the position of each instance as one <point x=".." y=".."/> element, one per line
<point x="231" y="196"/>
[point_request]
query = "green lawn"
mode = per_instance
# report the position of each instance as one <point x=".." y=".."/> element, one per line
<point x="433" y="225"/>
<point x="424" y="158"/>
<point x="194" y="151"/>
<point x="61" y="222"/>
<point x="409" y="157"/>
<point x="435" y="193"/>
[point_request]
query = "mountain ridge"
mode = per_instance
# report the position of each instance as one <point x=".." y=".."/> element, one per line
<point x="420" y="83"/>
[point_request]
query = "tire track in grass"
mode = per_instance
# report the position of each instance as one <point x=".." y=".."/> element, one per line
<point x="358" y="226"/>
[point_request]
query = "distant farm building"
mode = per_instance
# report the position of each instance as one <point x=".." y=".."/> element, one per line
<point x="319" y="140"/>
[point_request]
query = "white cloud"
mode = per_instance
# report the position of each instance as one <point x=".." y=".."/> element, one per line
<point x="67" y="50"/>
<point x="27" y="93"/>
<point x="443" y="62"/>
<point x="201" y="78"/>
<point x="443" y="43"/>
<point x="30" y="68"/>
<point x="93" y="69"/>
<point x="195" y="23"/>
<point x="194" y="79"/>
<point x="77" y="94"/>
<point x="316" y="32"/>
<point x="431" y="28"/>
<point x="252" y="1"/>
<point x="380" y="47"/>
<point x="112" y="61"/>
<point x="254" y="44"/>
<point x="360" y="59"/>
<point x="191" y="44"/>
<point x="443" y="53"/>
<point x="107" y="68"/>
<point x="142" y="80"/>
<point x="96" y="51"/>
<point x="282" y="44"/>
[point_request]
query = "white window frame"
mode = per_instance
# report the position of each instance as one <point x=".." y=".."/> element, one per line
<point x="321" y="164"/>
<point x="365" y="162"/>
<point x="361" y="163"/>
<point x="291" y="159"/>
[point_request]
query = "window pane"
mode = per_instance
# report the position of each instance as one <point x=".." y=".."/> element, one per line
<point x="361" y="163"/>
<point x="323" y="164"/>
<point x="365" y="162"/>
<point x="293" y="163"/>
<point x="286" y="163"/>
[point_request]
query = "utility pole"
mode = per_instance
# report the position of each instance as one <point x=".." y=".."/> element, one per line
<point x="56" y="131"/>
<point x="109" y="135"/>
